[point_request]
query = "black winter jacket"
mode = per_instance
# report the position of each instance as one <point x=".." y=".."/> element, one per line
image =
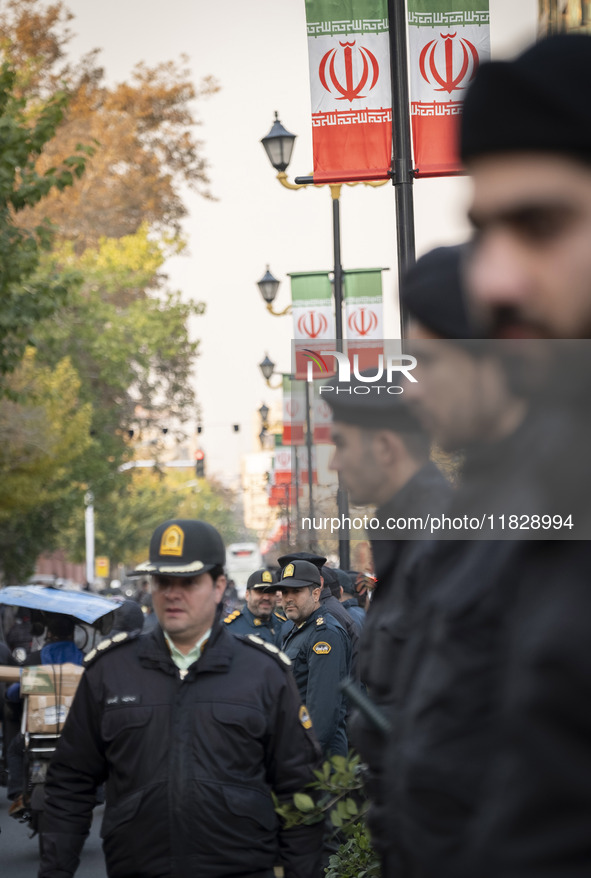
<point x="189" y="764"/>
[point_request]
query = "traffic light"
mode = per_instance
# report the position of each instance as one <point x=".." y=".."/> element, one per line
<point x="200" y="464"/>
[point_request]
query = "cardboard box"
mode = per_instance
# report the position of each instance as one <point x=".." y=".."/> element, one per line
<point x="10" y="674"/>
<point x="51" y="679"/>
<point x="46" y="713"/>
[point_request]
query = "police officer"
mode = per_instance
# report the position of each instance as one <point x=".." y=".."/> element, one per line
<point x="192" y="729"/>
<point x="320" y="653"/>
<point x="258" y="616"/>
<point x="330" y="603"/>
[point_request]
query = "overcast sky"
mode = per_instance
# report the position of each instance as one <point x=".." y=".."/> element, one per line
<point x="258" y="53"/>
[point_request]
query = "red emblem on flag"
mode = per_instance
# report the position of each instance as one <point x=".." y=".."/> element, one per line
<point x="312" y="324"/>
<point x="362" y="321"/>
<point x="292" y="408"/>
<point x="349" y="91"/>
<point x="461" y="63"/>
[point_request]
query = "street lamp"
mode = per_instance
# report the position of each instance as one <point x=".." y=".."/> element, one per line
<point x="267" y="367"/>
<point x="268" y="286"/>
<point x="278" y="145"/>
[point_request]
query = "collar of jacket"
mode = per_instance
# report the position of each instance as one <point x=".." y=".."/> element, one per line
<point x="216" y="658"/>
<point x="311" y="619"/>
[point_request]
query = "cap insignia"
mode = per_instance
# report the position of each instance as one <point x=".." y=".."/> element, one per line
<point x="266" y="577"/>
<point x="288" y="571"/>
<point x="172" y="541"/>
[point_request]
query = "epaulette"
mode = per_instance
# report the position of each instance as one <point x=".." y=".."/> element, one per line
<point x="280" y="616"/>
<point x="108" y="644"/>
<point x="232" y="616"/>
<point x="270" y="648"/>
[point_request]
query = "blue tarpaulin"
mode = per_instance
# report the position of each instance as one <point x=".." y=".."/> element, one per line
<point x="81" y="604"/>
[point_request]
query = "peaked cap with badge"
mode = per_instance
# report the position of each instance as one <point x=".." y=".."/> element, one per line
<point x="299" y="574"/>
<point x="183" y="547"/>
<point x="318" y="560"/>
<point x="264" y="578"/>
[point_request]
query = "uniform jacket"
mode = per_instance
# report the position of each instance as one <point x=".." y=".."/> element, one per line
<point x="189" y="764"/>
<point x="320" y="652"/>
<point x="244" y="622"/>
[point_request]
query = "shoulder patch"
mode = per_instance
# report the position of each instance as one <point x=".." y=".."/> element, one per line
<point x="322" y="647"/>
<point x="269" y="648"/>
<point x="305" y="717"/>
<point x="232" y="616"/>
<point x="109" y="644"/>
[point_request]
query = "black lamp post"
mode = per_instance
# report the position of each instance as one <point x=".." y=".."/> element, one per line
<point x="279" y="145"/>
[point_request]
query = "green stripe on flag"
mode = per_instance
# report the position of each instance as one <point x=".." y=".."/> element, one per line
<point x="311" y="288"/>
<point x="444" y="13"/>
<point x="334" y="17"/>
<point x="363" y="285"/>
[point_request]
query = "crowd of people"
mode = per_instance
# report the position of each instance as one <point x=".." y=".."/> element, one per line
<point x="473" y="650"/>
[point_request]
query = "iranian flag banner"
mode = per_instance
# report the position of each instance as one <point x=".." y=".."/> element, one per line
<point x="364" y="315"/>
<point x="322" y="416"/>
<point x="448" y="40"/>
<point x="349" y="57"/>
<point x="294" y="411"/>
<point x="313" y="322"/>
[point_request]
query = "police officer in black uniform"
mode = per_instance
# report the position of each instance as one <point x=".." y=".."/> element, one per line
<point x="257" y="616"/>
<point x="192" y="730"/>
<point x="320" y="653"/>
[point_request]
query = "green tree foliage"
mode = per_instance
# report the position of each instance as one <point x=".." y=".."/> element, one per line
<point x="145" y="129"/>
<point x="141" y="499"/>
<point x="125" y="333"/>
<point x="25" y="132"/>
<point x="43" y="429"/>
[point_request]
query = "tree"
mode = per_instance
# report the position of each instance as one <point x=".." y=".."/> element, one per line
<point x="25" y="132"/>
<point x="43" y="429"/>
<point x="144" y="127"/>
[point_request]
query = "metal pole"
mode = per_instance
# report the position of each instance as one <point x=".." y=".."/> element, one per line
<point x="342" y="497"/>
<point x="309" y="439"/>
<point x="89" y="536"/>
<point x="402" y="164"/>
<point x="296" y="474"/>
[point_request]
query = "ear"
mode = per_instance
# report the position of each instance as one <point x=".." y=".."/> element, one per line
<point x="219" y="587"/>
<point x="388" y="447"/>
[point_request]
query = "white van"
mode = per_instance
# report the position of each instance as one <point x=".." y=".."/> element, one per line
<point x="242" y="559"/>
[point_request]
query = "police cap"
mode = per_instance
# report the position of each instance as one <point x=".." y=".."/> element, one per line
<point x="184" y="547"/>
<point x="318" y="560"/>
<point x="299" y="574"/>
<point x="262" y="579"/>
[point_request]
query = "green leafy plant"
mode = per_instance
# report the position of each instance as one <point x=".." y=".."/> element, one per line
<point x="337" y="793"/>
